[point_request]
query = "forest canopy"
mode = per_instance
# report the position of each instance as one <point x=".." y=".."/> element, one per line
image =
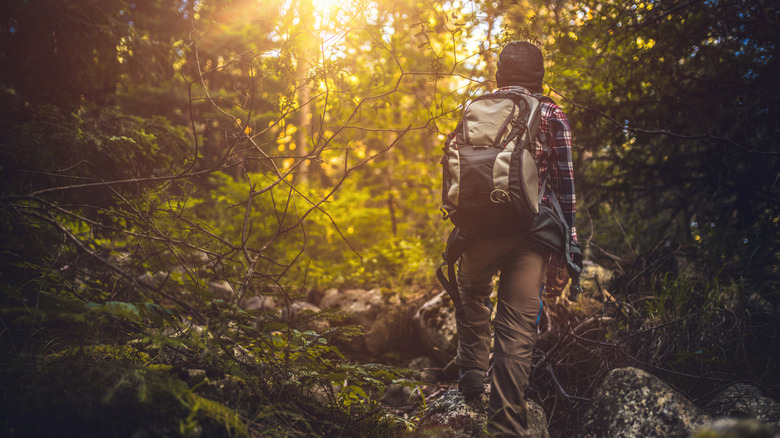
<point x="151" y="148"/>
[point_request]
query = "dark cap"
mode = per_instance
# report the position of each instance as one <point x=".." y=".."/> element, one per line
<point x="521" y="63"/>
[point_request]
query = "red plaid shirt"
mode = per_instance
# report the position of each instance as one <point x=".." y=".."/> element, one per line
<point x="556" y="128"/>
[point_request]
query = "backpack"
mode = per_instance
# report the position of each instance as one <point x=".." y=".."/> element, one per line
<point x="491" y="186"/>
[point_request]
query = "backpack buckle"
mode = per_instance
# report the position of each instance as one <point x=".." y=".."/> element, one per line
<point x="499" y="196"/>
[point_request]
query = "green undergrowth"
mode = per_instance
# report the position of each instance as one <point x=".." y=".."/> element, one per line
<point x="138" y="369"/>
<point x="89" y="397"/>
<point x="697" y="333"/>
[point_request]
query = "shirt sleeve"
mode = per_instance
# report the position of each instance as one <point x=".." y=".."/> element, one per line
<point x="559" y="137"/>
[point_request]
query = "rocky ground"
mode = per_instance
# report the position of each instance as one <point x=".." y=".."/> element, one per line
<point x="417" y="330"/>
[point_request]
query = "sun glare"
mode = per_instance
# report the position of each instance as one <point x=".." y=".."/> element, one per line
<point x="324" y="6"/>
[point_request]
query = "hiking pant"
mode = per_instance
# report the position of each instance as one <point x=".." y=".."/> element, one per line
<point x="522" y="265"/>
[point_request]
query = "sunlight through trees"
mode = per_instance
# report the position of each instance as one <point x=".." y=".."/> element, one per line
<point x="151" y="149"/>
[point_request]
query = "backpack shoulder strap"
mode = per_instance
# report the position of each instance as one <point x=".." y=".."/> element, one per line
<point x="522" y="124"/>
<point x="542" y="98"/>
<point x="454" y="133"/>
<point x="548" y="151"/>
<point x="572" y="251"/>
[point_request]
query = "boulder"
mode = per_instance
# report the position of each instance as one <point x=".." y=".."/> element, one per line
<point x="368" y="310"/>
<point x="121" y="259"/>
<point x="315" y="296"/>
<point x="425" y="369"/>
<point x="260" y="302"/>
<point x="437" y="329"/>
<point x="737" y="428"/>
<point x="741" y="400"/>
<point x="153" y="280"/>
<point x="382" y="335"/>
<point x="298" y="320"/>
<point x="632" y="403"/>
<point x="594" y="280"/>
<point x="756" y="303"/>
<point x="397" y="395"/>
<point x="363" y="304"/>
<point x="196" y="258"/>
<point x="453" y="416"/>
<point x="222" y="290"/>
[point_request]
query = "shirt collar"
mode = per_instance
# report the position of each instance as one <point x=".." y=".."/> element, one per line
<point x="519" y="88"/>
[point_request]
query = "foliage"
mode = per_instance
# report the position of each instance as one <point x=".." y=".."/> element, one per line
<point x="159" y="371"/>
<point x="162" y="163"/>
<point x="681" y="150"/>
<point x="109" y="398"/>
<point x="698" y="336"/>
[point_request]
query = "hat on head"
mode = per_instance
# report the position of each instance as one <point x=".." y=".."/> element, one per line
<point x="521" y="63"/>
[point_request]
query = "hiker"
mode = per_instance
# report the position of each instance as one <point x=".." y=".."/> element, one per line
<point x="524" y="264"/>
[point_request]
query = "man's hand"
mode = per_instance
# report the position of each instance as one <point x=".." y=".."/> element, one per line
<point x="557" y="276"/>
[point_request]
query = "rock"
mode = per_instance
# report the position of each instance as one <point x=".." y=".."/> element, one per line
<point x="153" y="280"/>
<point x="370" y="311"/>
<point x="333" y="297"/>
<point x="631" y="403"/>
<point x="221" y="289"/>
<point x="437" y="329"/>
<point x="260" y="302"/>
<point x="737" y="428"/>
<point x="537" y="420"/>
<point x="383" y="332"/>
<point x="315" y="296"/>
<point x="196" y="374"/>
<point x="121" y="259"/>
<point x="760" y="305"/>
<point x="197" y="258"/>
<point x="364" y="305"/>
<point x="294" y="313"/>
<point x="594" y="280"/>
<point x="452" y="416"/>
<point x="397" y="395"/>
<point x="742" y="400"/>
<point x="425" y="369"/>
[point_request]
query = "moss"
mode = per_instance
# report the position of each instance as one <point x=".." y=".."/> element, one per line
<point x="159" y="367"/>
<point x="103" y="352"/>
<point x="215" y="419"/>
<point x="123" y="353"/>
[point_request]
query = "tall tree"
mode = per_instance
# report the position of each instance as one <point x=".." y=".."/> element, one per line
<point x="673" y="112"/>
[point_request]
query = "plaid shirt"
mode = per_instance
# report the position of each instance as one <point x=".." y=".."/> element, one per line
<point x="556" y="128"/>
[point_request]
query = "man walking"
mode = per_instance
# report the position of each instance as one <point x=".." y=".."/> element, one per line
<point x="524" y="266"/>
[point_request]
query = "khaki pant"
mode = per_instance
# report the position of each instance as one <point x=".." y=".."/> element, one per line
<point x="522" y="266"/>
